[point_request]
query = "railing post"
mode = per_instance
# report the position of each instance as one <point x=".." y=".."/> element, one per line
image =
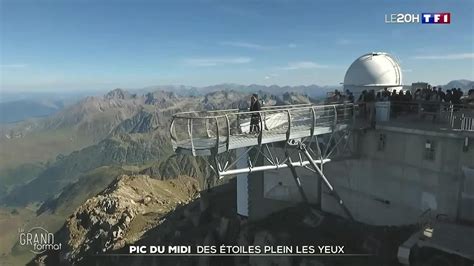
<point x="171" y="129"/>
<point x="344" y="118"/>
<point x="451" y="119"/>
<point x="313" y="122"/>
<point x="228" y="132"/>
<point x="190" y="133"/>
<point x="207" y="128"/>
<point x="288" y="132"/>
<point x="260" y="134"/>
<point x="173" y="138"/>
<point x="217" y="135"/>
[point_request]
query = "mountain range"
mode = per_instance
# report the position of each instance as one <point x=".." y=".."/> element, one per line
<point x="118" y="129"/>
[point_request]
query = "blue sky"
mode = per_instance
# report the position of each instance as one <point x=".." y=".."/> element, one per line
<point x="92" y="45"/>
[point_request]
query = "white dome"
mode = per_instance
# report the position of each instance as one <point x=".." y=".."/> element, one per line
<point x="373" y="70"/>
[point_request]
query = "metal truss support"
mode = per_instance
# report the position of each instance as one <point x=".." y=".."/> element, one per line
<point x="333" y="149"/>
<point x="297" y="180"/>
<point x="252" y="169"/>
<point x="333" y="192"/>
<point x="225" y="168"/>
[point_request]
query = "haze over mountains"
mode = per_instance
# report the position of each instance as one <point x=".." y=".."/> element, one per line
<point x="18" y="106"/>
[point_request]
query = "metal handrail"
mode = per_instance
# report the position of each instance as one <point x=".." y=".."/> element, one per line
<point x="433" y="103"/>
<point x="457" y="116"/>
<point x="304" y="114"/>
<point x="290" y="120"/>
<point x="236" y="109"/>
<point x="183" y="115"/>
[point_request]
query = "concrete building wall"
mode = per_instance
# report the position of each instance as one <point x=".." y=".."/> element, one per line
<point x="393" y="184"/>
<point x="466" y="210"/>
<point x="389" y="183"/>
<point x="272" y="191"/>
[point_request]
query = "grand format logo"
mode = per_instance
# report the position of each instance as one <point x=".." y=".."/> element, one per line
<point x="38" y="240"/>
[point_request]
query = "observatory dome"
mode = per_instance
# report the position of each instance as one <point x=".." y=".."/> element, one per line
<point x="373" y="71"/>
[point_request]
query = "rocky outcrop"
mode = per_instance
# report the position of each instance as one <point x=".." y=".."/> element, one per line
<point x="226" y="99"/>
<point x="178" y="165"/>
<point x="117" y="150"/>
<point x="294" y="98"/>
<point x="119" y="94"/>
<point x="162" y="99"/>
<point x="142" y="122"/>
<point x="105" y="222"/>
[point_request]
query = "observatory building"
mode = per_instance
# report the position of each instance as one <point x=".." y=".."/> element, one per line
<point x="373" y="71"/>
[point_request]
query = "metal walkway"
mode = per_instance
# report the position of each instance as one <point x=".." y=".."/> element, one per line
<point x="214" y="132"/>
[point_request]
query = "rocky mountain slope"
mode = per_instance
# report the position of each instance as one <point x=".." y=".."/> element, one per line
<point x="88" y="185"/>
<point x="140" y="145"/>
<point x="121" y="213"/>
<point x="176" y="165"/>
<point x="129" y="212"/>
<point x="77" y="126"/>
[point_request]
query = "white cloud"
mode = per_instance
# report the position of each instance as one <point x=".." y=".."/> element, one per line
<point x="446" y="56"/>
<point x="303" y="65"/>
<point x="217" y="61"/>
<point x="270" y="76"/>
<point x="245" y="45"/>
<point x="344" y="42"/>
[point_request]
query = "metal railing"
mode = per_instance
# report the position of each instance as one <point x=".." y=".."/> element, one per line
<point x="456" y="116"/>
<point x="467" y="123"/>
<point x="217" y="129"/>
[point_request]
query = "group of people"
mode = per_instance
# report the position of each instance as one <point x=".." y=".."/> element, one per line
<point x="453" y="96"/>
<point x="429" y="98"/>
<point x="338" y="97"/>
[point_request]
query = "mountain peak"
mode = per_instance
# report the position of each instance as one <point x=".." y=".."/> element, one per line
<point x="120" y="94"/>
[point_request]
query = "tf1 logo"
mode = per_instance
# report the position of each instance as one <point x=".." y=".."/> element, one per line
<point x="424" y="18"/>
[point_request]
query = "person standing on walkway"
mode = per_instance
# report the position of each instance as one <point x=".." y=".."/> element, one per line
<point x="255" y="117"/>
